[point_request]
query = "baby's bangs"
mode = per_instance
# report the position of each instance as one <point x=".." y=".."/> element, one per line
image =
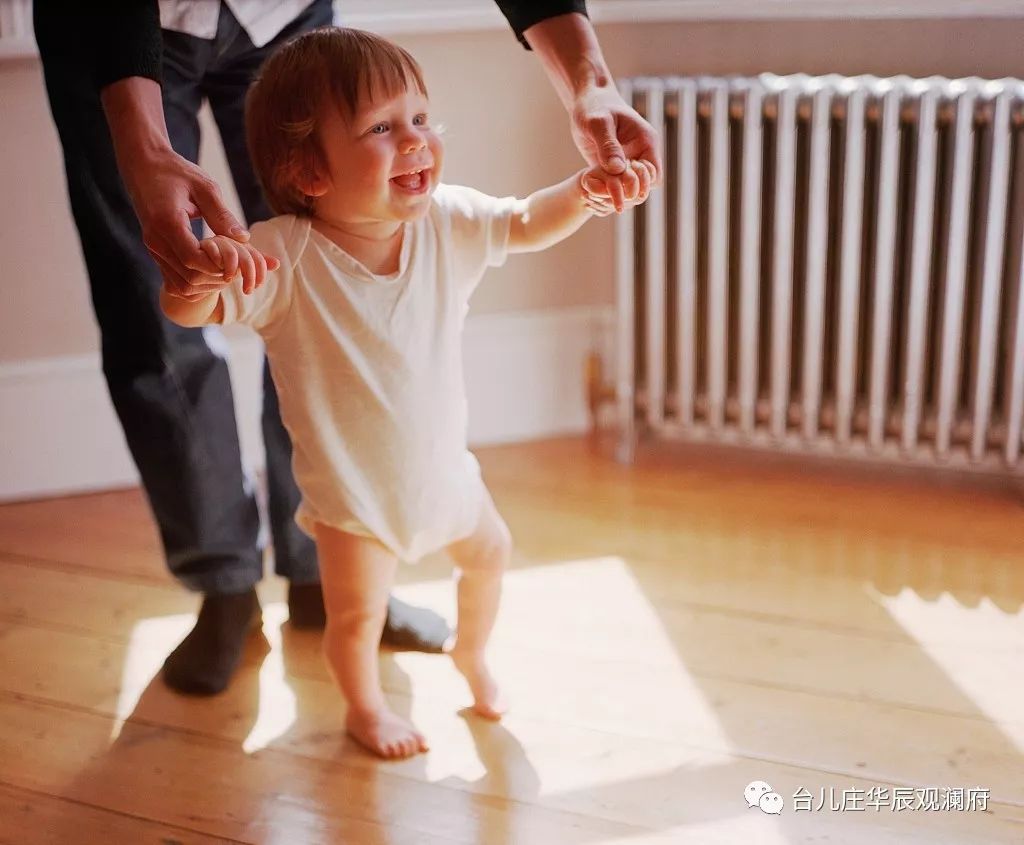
<point x="372" y="68"/>
<point x="396" y="73"/>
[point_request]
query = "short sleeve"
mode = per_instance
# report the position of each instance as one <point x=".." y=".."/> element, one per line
<point x="284" y="238"/>
<point x="479" y="225"/>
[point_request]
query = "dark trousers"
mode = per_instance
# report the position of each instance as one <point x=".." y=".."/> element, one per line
<point x="170" y="385"/>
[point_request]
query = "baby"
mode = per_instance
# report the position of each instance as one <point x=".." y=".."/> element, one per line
<point x="361" y="309"/>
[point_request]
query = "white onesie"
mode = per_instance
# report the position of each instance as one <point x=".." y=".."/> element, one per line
<point x="368" y="370"/>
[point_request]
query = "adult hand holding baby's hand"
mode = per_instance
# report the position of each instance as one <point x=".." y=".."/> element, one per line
<point x="612" y="135"/>
<point x="597" y="193"/>
<point x="167" y="193"/>
<point x="234" y="259"/>
<point x="167" y="190"/>
<point x="226" y="259"/>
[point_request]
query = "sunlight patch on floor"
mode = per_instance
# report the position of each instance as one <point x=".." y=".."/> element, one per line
<point x="150" y="642"/>
<point x="152" y="639"/>
<point x="568" y="606"/>
<point x="277" y="704"/>
<point x="934" y="625"/>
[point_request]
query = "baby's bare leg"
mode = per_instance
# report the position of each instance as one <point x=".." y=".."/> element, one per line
<point x="481" y="559"/>
<point x="357" y="574"/>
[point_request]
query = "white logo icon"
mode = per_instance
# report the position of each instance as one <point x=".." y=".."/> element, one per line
<point x="760" y="794"/>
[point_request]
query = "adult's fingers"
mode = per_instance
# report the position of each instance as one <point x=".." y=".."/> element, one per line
<point x="176" y="284"/>
<point x="609" y="151"/>
<point x="206" y="196"/>
<point x="195" y="297"/>
<point x="600" y="207"/>
<point x="180" y="287"/>
<point x="171" y="238"/>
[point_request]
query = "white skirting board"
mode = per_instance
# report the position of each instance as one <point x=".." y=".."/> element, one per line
<point x="524" y="378"/>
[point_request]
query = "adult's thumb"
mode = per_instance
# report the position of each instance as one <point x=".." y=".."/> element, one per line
<point x="609" y="150"/>
<point x="218" y="217"/>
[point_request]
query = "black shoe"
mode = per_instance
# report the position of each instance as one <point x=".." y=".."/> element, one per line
<point x="306" y="606"/>
<point x="205" y="660"/>
<point x="409" y="628"/>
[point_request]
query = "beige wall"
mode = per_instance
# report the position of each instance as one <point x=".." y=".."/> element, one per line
<point x="506" y="134"/>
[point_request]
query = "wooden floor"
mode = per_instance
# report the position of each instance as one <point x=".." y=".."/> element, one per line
<point x="671" y="632"/>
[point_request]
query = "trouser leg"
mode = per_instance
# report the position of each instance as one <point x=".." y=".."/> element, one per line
<point x="170" y="390"/>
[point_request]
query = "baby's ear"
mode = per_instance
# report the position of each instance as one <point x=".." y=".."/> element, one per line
<point x="311" y="186"/>
<point x="315" y="186"/>
<point x="307" y="175"/>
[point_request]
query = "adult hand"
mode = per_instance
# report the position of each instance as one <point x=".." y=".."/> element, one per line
<point x="594" y="191"/>
<point x="168" y="192"/>
<point x="608" y="132"/>
<point x="236" y="259"/>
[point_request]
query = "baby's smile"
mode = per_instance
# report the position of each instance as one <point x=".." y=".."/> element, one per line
<point x="415" y="181"/>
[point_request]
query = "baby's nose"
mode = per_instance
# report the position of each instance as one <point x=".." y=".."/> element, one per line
<point x="413" y="144"/>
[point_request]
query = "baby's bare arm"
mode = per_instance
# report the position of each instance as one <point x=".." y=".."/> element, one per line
<point x="552" y="214"/>
<point x="548" y="216"/>
<point x="197" y="311"/>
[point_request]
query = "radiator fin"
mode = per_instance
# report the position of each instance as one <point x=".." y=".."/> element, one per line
<point x="833" y="264"/>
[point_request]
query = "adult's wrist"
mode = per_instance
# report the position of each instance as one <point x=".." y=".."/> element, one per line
<point x="571" y="55"/>
<point x="134" y="110"/>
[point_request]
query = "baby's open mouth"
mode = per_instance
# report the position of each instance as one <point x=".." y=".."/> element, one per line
<point x="415" y="180"/>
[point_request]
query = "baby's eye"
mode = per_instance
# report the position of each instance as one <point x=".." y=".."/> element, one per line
<point x="419" y="120"/>
<point x="379" y="129"/>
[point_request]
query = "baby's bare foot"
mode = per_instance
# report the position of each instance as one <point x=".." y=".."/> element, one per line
<point x="487" y="698"/>
<point x="385" y="734"/>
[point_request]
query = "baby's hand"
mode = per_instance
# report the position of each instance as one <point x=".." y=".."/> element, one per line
<point x="233" y="258"/>
<point x="599" y="189"/>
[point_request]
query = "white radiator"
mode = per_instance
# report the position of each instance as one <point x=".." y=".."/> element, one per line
<point x="833" y="264"/>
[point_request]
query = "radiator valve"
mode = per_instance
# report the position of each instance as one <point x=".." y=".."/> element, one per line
<point x="598" y="392"/>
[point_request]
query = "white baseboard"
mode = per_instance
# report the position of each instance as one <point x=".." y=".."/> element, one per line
<point x="524" y="377"/>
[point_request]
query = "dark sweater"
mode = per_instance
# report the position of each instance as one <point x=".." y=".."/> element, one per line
<point x="115" y="39"/>
<point x="110" y="40"/>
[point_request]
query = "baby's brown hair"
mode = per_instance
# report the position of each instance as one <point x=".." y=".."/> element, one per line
<point x="329" y="66"/>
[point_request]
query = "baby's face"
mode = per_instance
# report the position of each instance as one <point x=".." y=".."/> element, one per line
<point x="384" y="164"/>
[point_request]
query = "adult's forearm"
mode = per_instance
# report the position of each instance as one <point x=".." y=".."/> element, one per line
<point x="569" y="50"/>
<point x="135" y="114"/>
